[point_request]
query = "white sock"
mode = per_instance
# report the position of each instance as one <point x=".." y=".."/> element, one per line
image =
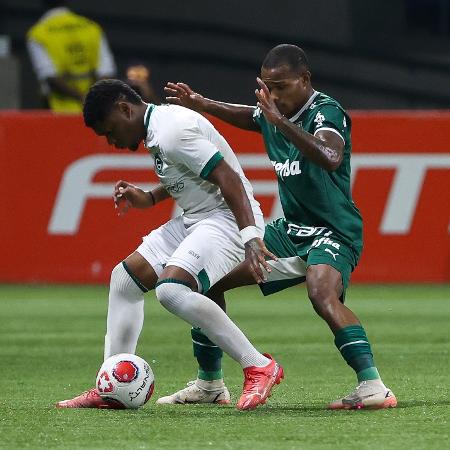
<point x="202" y="312"/>
<point x="125" y="313"/>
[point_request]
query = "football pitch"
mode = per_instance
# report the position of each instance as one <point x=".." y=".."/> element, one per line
<point x="51" y="345"/>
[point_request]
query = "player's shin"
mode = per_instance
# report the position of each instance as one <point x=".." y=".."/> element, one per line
<point x="200" y="311"/>
<point x="125" y="313"/>
<point x="354" y="346"/>
<point x="209" y="356"/>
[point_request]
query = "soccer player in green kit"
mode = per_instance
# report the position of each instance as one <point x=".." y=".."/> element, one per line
<point x="307" y="138"/>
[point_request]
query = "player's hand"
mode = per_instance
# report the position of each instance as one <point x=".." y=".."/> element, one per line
<point x="127" y="195"/>
<point x="266" y="103"/>
<point x="256" y="253"/>
<point x="181" y="94"/>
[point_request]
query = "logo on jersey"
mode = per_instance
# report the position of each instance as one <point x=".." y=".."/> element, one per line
<point x="319" y="119"/>
<point x="287" y="168"/>
<point x="257" y="112"/>
<point x="313" y="105"/>
<point x="175" y="187"/>
<point x="158" y="165"/>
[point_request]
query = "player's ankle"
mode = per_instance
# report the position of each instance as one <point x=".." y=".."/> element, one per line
<point x="209" y="385"/>
<point x="210" y="375"/>
<point x="368" y="374"/>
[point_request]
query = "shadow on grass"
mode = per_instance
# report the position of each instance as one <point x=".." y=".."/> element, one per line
<point x="172" y="411"/>
<point x="415" y="403"/>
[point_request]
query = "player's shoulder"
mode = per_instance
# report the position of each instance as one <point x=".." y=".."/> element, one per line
<point x="175" y="114"/>
<point x="172" y="123"/>
<point x="321" y="100"/>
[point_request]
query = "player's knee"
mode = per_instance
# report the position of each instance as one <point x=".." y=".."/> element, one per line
<point x="122" y="283"/>
<point x="322" y="296"/>
<point x="171" y="295"/>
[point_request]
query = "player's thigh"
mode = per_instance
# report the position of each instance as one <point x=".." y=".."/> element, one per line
<point x="140" y="270"/>
<point x="177" y="273"/>
<point x="290" y="268"/>
<point x="329" y="270"/>
<point x="323" y="282"/>
<point x="241" y="275"/>
<point x="212" y="249"/>
<point x="148" y="261"/>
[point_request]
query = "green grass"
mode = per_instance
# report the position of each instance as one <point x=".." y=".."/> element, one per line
<point x="51" y="345"/>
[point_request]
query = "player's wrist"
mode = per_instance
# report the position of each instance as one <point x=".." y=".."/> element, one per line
<point x="249" y="233"/>
<point x="280" y="120"/>
<point x="151" y="198"/>
<point x="204" y="105"/>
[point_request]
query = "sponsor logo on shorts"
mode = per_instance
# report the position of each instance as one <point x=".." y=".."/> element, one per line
<point x="325" y="241"/>
<point x="296" y="230"/>
<point x="331" y="253"/>
<point x="195" y="255"/>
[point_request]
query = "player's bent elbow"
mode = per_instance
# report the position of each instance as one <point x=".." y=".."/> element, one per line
<point x="333" y="164"/>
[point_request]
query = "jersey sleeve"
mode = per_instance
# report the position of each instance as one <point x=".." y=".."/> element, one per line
<point x="330" y="118"/>
<point x="193" y="150"/>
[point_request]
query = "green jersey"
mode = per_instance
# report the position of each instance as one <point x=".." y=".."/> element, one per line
<point x="314" y="201"/>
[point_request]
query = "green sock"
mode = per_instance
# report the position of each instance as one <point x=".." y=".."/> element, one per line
<point x="208" y="355"/>
<point x="354" y="346"/>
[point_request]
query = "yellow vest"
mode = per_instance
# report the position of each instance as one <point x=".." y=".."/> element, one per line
<point x="72" y="43"/>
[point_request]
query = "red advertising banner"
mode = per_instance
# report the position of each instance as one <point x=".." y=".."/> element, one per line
<point x="58" y="223"/>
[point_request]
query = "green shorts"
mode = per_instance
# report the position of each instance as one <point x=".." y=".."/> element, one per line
<point x="299" y="247"/>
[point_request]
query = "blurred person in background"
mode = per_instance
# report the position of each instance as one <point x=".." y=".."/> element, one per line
<point x="69" y="53"/>
<point x="138" y="76"/>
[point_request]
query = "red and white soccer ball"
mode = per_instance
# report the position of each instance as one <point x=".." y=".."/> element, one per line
<point x="126" y="380"/>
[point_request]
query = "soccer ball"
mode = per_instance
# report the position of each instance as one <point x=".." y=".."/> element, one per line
<point x="125" y="380"/>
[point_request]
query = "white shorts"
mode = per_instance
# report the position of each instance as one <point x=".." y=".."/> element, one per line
<point x="208" y="249"/>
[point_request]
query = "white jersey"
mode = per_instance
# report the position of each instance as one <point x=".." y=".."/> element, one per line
<point x="186" y="148"/>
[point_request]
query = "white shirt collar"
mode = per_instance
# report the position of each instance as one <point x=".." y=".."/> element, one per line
<point x="149" y="138"/>
<point x="147" y="111"/>
<point x="304" y="107"/>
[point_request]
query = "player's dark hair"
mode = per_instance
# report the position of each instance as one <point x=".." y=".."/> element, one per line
<point x="101" y="98"/>
<point x="286" y="54"/>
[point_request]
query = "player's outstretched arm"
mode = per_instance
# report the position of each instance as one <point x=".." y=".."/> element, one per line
<point x="326" y="149"/>
<point x="234" y="194"/>
<point x="127" y="195"/>
<point x="240" y="116"/>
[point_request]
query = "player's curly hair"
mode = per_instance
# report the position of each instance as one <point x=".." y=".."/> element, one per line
<point x="286" y="54"/>
<point x="101" y="98"/>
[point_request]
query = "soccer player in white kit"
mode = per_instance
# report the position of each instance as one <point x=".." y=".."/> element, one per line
<point x="221" y="225"/>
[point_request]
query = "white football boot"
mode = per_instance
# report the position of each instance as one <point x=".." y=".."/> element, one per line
<point x="199" y="391"/>
<point x="368" y="394"/>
